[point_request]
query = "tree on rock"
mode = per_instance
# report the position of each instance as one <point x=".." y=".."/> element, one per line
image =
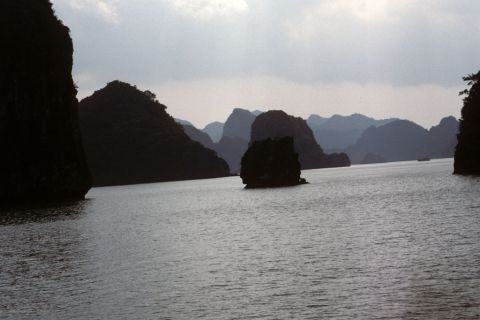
<point x="467" y="152"/>
<point x="271" y="163"/>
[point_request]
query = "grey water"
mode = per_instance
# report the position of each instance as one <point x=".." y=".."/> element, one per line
<point x="387" y="241"/>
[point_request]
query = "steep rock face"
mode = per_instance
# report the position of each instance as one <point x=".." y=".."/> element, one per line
<point x="330" y="139"/>
<point x="314" y="121"/>
<point x="354" y="121"/>
<point x="199" y="136"/>
<point x="238" y="124"/>
<point x="214" y="130"/>
<point x="271" y="163"/>
<point x="232" y="150"/>
<point x="42" y="157"/>
<point x="395" y="141"/>
<point x="404" y="140"/>
<point x="438" y="140"/>
<point x="343" y="131"/>
<point x="129" y="138"/>
<point x="467" y="152"/>
<point x="277" y="124"/>
<point x="229" y="149"/>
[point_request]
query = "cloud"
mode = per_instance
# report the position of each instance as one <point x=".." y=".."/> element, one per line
<point x="209" y="9"/>
<point x="406" y="42"/>
<point x="207" y="57"/>
<point x="105" y="10"/>
<point x="338" y="16"/>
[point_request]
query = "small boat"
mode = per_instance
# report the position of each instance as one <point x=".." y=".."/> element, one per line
<point x="424" y="159"/>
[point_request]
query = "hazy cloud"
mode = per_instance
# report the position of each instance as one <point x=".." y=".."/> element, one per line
<point x="103" y="9"/>
<point x="311" y="44"/>
<point x="208" y="9"/>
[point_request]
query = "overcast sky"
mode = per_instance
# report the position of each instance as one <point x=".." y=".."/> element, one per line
<point x="381" y="58"/>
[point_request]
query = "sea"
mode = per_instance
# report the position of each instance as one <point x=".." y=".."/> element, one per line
<point x="385" y="241"/>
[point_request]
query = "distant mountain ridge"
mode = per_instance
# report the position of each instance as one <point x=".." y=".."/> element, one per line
<point x="342" y="131"/>
<point x="403" y="140"/>
<point x="234" y="139"/>
<point x="214" y="130"/>
<point x="383" y="141"/>
<point x="351" y="122"/>
<point x="238" y="124"/>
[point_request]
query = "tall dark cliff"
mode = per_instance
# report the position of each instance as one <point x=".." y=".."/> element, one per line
<point x="129" y="138"/>
<point x="41" y="153"/>
<point x="277" y="124"/>
<point x="467" y="152"/>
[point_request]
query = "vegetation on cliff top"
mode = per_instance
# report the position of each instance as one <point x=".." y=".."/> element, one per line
<point x="467" y="152"/>
<point x="130" y="138"/>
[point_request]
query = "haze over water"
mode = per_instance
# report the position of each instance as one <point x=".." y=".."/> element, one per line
<point x="387" y="241"/>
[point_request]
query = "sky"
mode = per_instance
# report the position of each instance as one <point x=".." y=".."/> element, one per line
<point x="203" y="58"/>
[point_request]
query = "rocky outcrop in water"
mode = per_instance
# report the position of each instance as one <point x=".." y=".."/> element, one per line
<point x="467" y="152"/>
<point x="277" y="124"/>
<point x="271" y="163"/>
<point x="41" y="153"/>
<point x="130" y="138"/>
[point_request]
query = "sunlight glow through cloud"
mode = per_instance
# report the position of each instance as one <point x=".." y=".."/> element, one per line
<point x="342" y="15"/>
<point x="105" y="9"/>
<point x="208" y="9"/>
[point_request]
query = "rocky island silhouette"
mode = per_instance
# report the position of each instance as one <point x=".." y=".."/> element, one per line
<point x="271" y="163"/>
<point x="41" y="152"/>
<point x="129" y="138"/>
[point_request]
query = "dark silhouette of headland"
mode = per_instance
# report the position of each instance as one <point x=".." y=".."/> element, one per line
<point x="129" y="138"/>
<point x="271" y="163"/>
<point x="467" y="152"/>
<point x="41" y="153"/>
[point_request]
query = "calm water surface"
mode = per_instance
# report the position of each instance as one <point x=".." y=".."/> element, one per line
<point x="389" y="241"/>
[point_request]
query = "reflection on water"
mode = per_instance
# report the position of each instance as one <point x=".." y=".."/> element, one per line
<point x="41" y="256"/>
<point x="42" y="213"/>
<point x="389" y="241"/>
